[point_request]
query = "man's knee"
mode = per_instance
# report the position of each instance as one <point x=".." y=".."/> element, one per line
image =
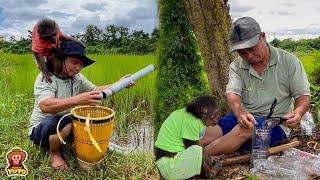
<point x="66" y="130"/>
<point x="211" y="134"/>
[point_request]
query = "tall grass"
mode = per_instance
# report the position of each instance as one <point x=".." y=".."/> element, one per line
<point x="21" y="73"/>
<point x="106" y="70"/>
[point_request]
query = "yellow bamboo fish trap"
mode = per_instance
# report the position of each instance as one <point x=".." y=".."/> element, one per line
<point x="92" y="128"/>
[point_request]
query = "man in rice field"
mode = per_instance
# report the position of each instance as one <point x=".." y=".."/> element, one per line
<point x="260" y="73"/>
<point x="46" y="37"/>
<point x="177" y="151"/>
<point x="52" y="100"/>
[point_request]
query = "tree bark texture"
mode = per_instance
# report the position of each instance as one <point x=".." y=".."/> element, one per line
<point x="210" y="21"/>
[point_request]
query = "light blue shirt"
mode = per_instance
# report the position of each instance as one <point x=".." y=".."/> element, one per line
<point x="59" y="88"/>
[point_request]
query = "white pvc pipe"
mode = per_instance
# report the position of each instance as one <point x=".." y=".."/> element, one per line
<point x="126" y="81"/>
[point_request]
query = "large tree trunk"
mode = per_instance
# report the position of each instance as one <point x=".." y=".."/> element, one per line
<point x="180" y="75"/>
<point x="210" y="22"/>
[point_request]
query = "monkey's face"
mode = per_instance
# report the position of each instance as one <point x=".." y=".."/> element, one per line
<point x="50" y="36"/>
<point x="16" y="159"/>
<point x="211" y="118"/>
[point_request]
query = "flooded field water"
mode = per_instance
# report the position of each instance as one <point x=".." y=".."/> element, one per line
<point x="139" y="138"/>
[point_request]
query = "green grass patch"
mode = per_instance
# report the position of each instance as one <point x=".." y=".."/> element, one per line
<point x="309" y="61"/>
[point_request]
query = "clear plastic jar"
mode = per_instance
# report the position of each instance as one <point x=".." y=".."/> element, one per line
<point x="260" y="143"/>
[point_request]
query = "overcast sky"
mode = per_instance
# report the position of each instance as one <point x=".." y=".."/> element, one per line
<point x="18" y="16"/>
<point x="278" y="18"/>
<point x="281" y="18"/>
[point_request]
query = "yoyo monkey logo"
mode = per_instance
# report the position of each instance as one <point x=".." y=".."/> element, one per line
<point x="15" y="158"/>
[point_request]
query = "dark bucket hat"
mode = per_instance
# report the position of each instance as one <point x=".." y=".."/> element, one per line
<point x="244" y="33"/>
<point x="75" y="49"/>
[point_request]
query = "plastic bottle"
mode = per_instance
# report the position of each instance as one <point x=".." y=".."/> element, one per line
<point x="307" y="125"/>
<point x="260" y="143"/>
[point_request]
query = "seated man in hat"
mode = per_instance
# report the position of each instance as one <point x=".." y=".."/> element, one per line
<point x="52" y="100"/>
<point x="260" y="73"/>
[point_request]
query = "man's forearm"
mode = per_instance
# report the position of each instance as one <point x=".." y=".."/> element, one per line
<point x="55" y="105"/>
<point x="234" y="102"/>
<point x="101" y="88"/>
<point x="302" y="104"/>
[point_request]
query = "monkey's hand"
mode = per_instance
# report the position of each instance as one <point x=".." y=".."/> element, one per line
<point x="46" y="76"/>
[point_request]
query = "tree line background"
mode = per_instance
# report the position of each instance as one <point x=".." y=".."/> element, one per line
<point x="302" y="45"/>
<point x="119" y="40"/>
<point x="110" y="40"/>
